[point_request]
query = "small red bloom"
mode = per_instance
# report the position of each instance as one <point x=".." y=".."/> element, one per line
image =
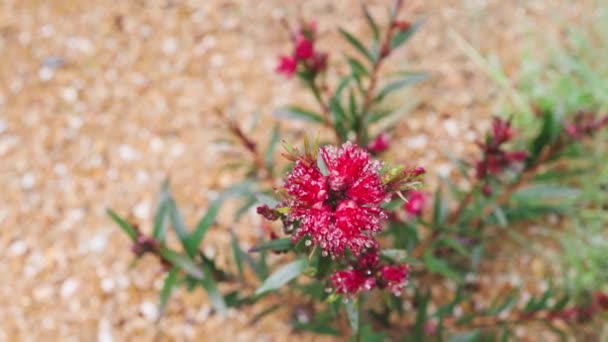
<point x="380" y="144"/>
<point x="366" y="273"/>
<point x="341" y="209"/>
<point x="415" y="203"/>
<point x="287" y="66"/>
<point x="304" y="49"/>
<point x="394" y="278"/>
<point x="501" y="131"/>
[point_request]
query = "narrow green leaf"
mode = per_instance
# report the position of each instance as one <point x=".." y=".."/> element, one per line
<point x="237" y="253"/>
<point x="274" y="139"/>
<point x="276" y="245"/>
<point x="282" y="276"/>
<point x="357" y="68"/>
<point x="440" y="266"/>
<point x="160" y="219"/>
<point x="440" y="209"/>
<point x="321" y="165"/>
<point x="183" y="262"/>
<point x="352" y="312"/>
<point x="546" y="192"/>
<point x="267" y="200"/>
<point x="297" y="113"/>
<point x="357" y="45"/>
<point x="405" y="35"/>
<point x="165" y="292"/>
<point x="396" y="255"/>
<point x="203" y="225"/>
<point x="216" y="298"/>
<point x="407" y="80"/>
<point x="124" y="225"/>
<point x="371" y="22"/>
<point x="177" y="222"/>
<point x="501" y="218"/>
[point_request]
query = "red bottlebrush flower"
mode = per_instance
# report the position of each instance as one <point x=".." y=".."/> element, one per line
<point x="402" y="25"/>
<point x="304" y="49"/>
<point x="419" y="170"/>
<point x="415" y="203"/>
<point x="341" y="209"/>
<point x="393" y="278"/>
<point x="501" y="131"/>
<point x="287" y="66"/>
<point x="351" y="282"/>
<point x="380" y="143"/>
<point x="516" y="157"/>
<point x="319" y="62"/>
<point x="601" y="299"/>
<point x="267" y="212"/>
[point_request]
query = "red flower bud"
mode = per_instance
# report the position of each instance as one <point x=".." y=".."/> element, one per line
<point x="380" y="143"/>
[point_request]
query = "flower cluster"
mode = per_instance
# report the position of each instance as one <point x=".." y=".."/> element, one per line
<point x="338" y="208"/>
<point x="366" y="273"/>
<point x="495" y="159"/>
<point x="585" y="124"/>
<point x="304" y="54"/>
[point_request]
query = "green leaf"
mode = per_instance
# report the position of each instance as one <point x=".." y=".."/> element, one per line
<point x="469" y="336"/>
<point x="440" y="209"/>
<point x="274" y="139"/>
<point x="321" y="165"/>
<point x="203" y="225"/>
<point x="267" y="200"/>
<point x="371" y="22"/>
<point x="546" y="192"/>
<point x="124" y="225"/>
<point x="396" y="255"/>
<point x="275" y="245"/>
<point x="216" y="298"/>
<point x="282" y="276"/>
<point x="293" y="112"/>
<point x="177" y="222"/>
<point x="501" y="218"/>
<point x="357" y="68"/>
<point x="357" y="45"/>
<point x="548" y="134"/>
<point x="183" y="262"/>
<point x="440" y="266"/>
<point x="352" y="312"/>
<point x="165" y="292"/>
<point x="403" y="36"/>
<point x="160" y="219"/>
<point x="408" y="80"/>
<point x="264" y="313"/>
<point x="237" y="253"/>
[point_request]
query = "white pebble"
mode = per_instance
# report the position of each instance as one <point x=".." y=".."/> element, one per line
<point x="68" y="288"/>
<point x="98" y="243"/>
<point x="45" y="74"/>
<point x="17" y="248"/>
<point x="28" y="181"/>
<point x="451" y="127"/>
<point x="127" y="153"/>
<point x="149" y="310"/>
<point x="142" y="210"/>
<point x="107" y="285"/>
<point x="169" y="46"/>
<point x="104" y="331"/>
<point x="69" y="94"/>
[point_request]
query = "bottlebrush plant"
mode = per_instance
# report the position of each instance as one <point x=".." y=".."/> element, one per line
<point x="358" y="243"/>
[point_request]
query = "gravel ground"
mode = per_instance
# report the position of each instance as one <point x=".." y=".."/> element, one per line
<point x="99" y="101"/>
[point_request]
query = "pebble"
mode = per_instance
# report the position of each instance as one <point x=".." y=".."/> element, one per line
<point x="17" y="248"/>
<point x="45" y="74"/>
<point x="104" y="331"/>
<point x="68" y="288"/>
<point x="28" y="181"/>
<point x="169" y="46"/>
<point x="127" y="153"/>
<point x="142" y="210"/>
<point x="107" y="285"/>
<point x="149" y="310"/>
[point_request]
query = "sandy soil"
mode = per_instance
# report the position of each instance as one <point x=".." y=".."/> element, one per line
<point x="99" y="101"/>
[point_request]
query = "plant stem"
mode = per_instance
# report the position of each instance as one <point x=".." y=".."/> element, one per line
<point x="385" y="51"/>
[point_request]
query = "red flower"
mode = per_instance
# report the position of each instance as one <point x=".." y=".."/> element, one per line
<point x="341" y="209"/>
<point x="351" y="282"/>
<point x="495" y="159"/>
<point x="380" y="144"/>
<point x="287" y="66"/>
<point x="304" y="49"/>
<point x="394" y="278"/>
<point x="366" y="273"/>
<point x="415" y="203"/>
<point x="501" y="131"/>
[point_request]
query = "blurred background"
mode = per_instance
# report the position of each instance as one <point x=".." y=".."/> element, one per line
<point x="101" y="100"/>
